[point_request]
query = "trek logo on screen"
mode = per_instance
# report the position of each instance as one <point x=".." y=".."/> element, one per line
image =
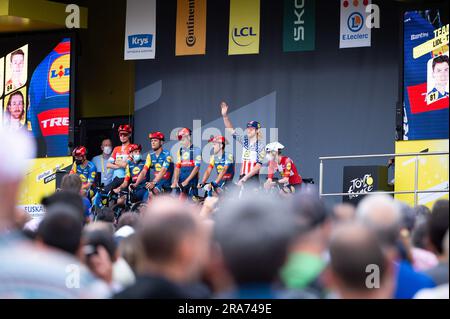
<point x="54" y="122"/>
<point x="140" y="41"/>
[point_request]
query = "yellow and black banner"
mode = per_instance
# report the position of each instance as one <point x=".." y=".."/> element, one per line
<point x="244" y="32"/>
<point x="191" y="27"/>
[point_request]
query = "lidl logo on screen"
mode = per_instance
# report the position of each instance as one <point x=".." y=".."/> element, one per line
<point x="140" y="41"/>
<point x="59" y="74"/>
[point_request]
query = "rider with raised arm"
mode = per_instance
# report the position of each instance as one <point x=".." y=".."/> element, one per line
<point x="253" y="149"/>
<point x="222" y="161"/>
<point x="188" y="164"/>
<point x="161" y="163"/>
<point x="282" y="164"/>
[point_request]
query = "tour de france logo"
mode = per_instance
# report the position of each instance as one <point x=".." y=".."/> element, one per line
<point x="359" y="186"/>
<point x="59" y="74"/>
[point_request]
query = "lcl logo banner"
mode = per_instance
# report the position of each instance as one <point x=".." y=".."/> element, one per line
<point x="244" y="33"/>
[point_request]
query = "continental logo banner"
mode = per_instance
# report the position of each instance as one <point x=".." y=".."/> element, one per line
<point x="244" y="31"/>
<point x="191" y="27"/>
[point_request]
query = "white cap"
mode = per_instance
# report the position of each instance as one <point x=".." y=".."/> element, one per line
<point x="17" y="147"/>
<point x="124" y="231"/>
<point x="274" y="147"/>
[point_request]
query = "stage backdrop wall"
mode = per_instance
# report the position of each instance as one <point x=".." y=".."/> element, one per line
<point x="325" y="102"/>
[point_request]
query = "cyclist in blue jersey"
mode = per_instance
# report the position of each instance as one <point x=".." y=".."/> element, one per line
<point x="189" y="160"/>
<point x="83" y="168"/>
<point x="132" y="171"/>
<point x="161" y="165"/>
<point x="222" y="162"/>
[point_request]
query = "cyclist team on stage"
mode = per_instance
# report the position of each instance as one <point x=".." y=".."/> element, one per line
<point x="157" y="173"/>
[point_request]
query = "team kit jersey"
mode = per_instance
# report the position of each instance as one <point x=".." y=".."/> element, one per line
<point x="119" y="155"/>
<point x="87" y="173"/>
<point x="187" y="160"/>
<point x="252" y="153"/>
<point x="48" y="111"/>
<point x="222" y="161"/>
<point x="155" y="163"/>
<point x="286" y="168"/>
<point x="133" y="170"/>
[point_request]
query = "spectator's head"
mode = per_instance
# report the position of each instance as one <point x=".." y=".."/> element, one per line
<point x="17" y="148"/>
<point x="381" y="214"/>
<point x="130" y="250"/>
<point x="438" y="226"/>
<point x="344" y="212"/>
<point x="128" y="219"/>
<point x="419" y="236"/>
<point x="61" y="228"/>
<point x="96" y="236"/>
<point x="254" y="235"/>
<point x="71" y="183"/>
<point x="107" y="215"/>
<point x="312" y="221"/>
<point x="358" y="267"/>
<point x="445" y="245"/>
<point x="173" y="240"/>
<point x="408" y="217"/>
<point x="64" y="198"/>
<point x="422" y="213"/>
<point x="106" y="146"/>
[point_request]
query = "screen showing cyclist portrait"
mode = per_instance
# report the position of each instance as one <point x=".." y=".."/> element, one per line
<point x="426" y="66"/>
<point x="35" y="89"/>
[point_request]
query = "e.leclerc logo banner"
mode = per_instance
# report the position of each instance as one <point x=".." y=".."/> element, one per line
<point x="354" y="30"/>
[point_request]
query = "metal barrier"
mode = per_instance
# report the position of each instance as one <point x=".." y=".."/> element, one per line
<point x="416" y="168"/>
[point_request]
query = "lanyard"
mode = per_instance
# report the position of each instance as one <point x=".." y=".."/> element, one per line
<point x="103" y="166"/>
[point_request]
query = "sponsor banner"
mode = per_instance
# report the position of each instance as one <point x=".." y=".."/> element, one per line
<point x="432" y="171"/>
<point x="191" y="27"/>
<point x="354" y="31"/>
<point x="35" y="211"/>
<point x="40" y="180"/>
<point x="140" y="30"/>
<point x="299" y="25"/>
<point x="244" y="33"/>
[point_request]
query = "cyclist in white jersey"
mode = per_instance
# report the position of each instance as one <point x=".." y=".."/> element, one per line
<point x="253" y="152"/>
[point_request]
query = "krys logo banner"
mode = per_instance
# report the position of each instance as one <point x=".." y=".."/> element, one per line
<point x="244" y="31"/>
<point x="191" y="27"/>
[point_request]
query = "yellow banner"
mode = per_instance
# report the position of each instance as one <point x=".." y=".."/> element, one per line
<point x="40" y="182"/>
<point x="432" y="171"/>
<point x="244" y="27"/>
<point x="440" y="39"/>
<point x="191" y="27"/>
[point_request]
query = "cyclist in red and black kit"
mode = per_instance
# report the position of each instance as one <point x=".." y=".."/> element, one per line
<point x="284" y="165"/>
